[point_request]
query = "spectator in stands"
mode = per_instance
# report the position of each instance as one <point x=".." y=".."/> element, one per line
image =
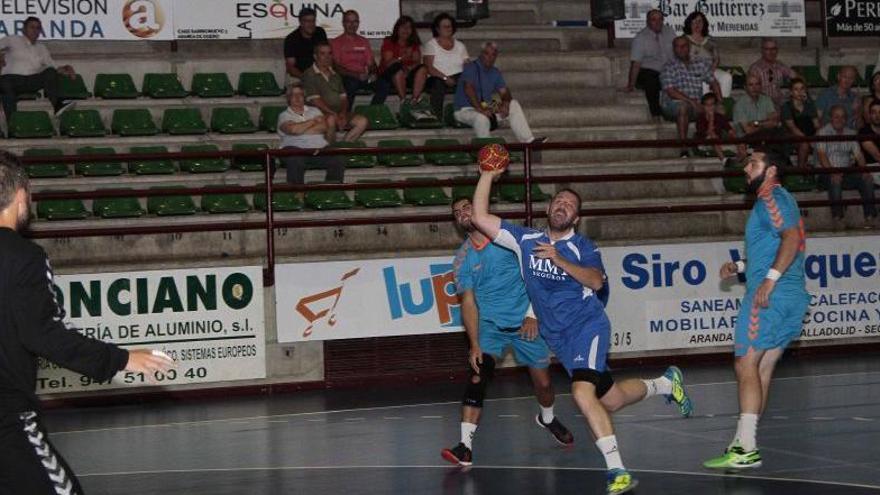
<point x="754" y="114"/>
<point x="651" y="49"/>
<point x="800" y="118"/>
<point x="872" y="96"/>
<point x="444" y="56"/>
<point x="870" y="135"/>
<point x="324" y="89"/>
<point x="841" y="94"/>
<point x="696" y="29"/>
<point x="303" y="126"/>
<point x="682" y="81"/>
<point x="299" y="46"/>
<point x="841" y="154"/>
<point x="713" y="124"/>
<point x="28" y="67"/>
<point x="482" y="98"/>
<point x="353" y="59"/>
<point x="401" y="64"/>
<point x="773" y="74"/>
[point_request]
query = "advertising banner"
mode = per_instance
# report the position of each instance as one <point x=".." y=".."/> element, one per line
<point x="209" y="320"/>
<point x="257" y="19"/>
<point x="92" y="19"/>
<point x="662" y="296"/>
<point x="726" y="19"/>
<point x="853" y="17"/>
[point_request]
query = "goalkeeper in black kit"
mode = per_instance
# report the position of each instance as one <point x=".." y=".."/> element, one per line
<point x="32" y="326"/>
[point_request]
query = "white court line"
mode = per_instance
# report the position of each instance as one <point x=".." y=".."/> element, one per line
<point x="399" y="406"/>
<point x="446" y="467"/>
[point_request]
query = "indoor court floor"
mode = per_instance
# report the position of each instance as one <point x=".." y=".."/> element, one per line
<point x="821" y="434"/>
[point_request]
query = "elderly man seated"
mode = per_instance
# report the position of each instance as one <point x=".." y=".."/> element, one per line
<point x="754" y="115"/>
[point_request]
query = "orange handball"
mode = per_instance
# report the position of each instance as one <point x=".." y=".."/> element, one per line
<point x="494" y="157"/>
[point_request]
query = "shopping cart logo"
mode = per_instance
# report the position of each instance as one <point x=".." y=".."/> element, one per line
<point x="316" y="307"/>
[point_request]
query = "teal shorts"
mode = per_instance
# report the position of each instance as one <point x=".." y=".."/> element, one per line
<point x="494" y="341"/>
<point x="772" y="327"/>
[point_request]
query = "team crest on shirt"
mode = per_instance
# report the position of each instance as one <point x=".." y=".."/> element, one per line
<point x="544" y="268"/>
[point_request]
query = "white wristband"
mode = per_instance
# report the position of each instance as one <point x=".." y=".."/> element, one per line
<point x="530" y="313"/>
<point x="740" y="266"/>
<point x="773" y="274"/>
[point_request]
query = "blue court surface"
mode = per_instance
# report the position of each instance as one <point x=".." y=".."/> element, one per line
<point x="821" y="434"/>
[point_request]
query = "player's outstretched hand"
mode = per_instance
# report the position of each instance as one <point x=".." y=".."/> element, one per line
<point x="762" y="295"/>
<point x="495" y="174"/>
<point x="476" y="358"/>
<point x="545" y="251"/>
<point x="728" y="270"/>
<point x="148" y="362"/>
<point x="529" y="329"/>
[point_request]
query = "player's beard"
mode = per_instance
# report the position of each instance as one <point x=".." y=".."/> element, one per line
<point x="560" y="223"/>
<point x="755" y="184"/>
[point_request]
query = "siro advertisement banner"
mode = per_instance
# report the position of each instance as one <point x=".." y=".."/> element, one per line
<point x="853" y="17"/>
<point x="209" y="320"/>
<point x="257" y="19"/>
<point x="92" y="19"/>
<point x="726" y="19"/>
<point x="662" y="296"/>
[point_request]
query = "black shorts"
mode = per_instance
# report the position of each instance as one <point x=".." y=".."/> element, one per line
<point x="29" y="463"/>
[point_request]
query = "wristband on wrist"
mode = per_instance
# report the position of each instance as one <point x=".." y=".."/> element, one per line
<point x="740" y="266"/>
<point x="773" y="274"/>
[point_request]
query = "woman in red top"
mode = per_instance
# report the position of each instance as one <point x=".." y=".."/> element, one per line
<point x="401" y="65"/>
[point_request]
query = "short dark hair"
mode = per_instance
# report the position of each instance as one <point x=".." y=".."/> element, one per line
<point x="32" y="19"/>
<point x="435" y="25"/>
<point x="774" y="158"/>
<point x="351" y="12"/>
<point x="875" y="102"/>
<point x="319" y="44"/>
<point x="458" y="199"/>
<point x="307" y="11"/>
<point x="708" y="96"/>
<point x="688" y="23"/>
<point x="13" y="177"/>
<point x="796" y="80"/>
<point x="569" y="191"/>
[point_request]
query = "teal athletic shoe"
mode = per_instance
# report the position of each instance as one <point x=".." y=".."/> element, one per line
<point x="620" y="481"/>
<point x="679" y="396"/>
<point x="735" y="457"/>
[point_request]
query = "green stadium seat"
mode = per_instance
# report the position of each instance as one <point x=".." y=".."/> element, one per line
<point x="409" y="119"/>
<point x="232" y="120"/>
<point x="811" y="75"/>
<point x="355" y="161"/>
<point x="516" y="193"/>
<point x="133" y="122"/>
<point x="258" y="84"/>
<point x="46" y="170"/>
<point x="738" y="74"/>
<point x="151" y="167"/>
<point x="73" y="89"/>
<point x="425" y="196"/>
<point x="377" y="198"/>
<point x="869" y="75"/>
<point x="379" y="116"/>
<point x="799" y="183"/>
<point x="729" y="103"/>
<point x="163" y="85"/>
<point x="82" y="123"/>
<point x="117" y="207"/>
<point x="35" y="124"/>
<point x="515" y="156"/>
<point x="334" y="199"/>
<point x="61" y="209"/>
<point x="449" y="118"/>
<point x="183" y="121"/>
<point x="735" y="184"/>
<point x="171" y="205"/>
<point x="833" y="70"/>
<point x="98" y="169"/>
<point x="115" y="86"/>
<point x="269" y="117"/>
<point x="467" y="191"/>
<point x="254" y="164"/>
<point x="212" y="85"/>
<point x="202" y="165"/>
<point x="398" y="159"/>
<point x="225" y="203"/>
<point x="281" y="201"/>
<point x="447" y="157"/>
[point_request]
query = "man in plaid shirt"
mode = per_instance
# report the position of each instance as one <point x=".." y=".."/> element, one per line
<point x="682" y="81"/>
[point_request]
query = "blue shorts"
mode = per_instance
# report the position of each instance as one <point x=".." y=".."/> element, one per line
<point x="772" y="327"/>
<point x="494" y="341"/>
<point x="583" y="348"/>
<point x="670" y="110"/>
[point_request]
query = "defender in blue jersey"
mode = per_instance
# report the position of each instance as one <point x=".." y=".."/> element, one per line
<point x="774" y="305"/>
<point x="496" y="314"/>
<point x="563" y="273"/>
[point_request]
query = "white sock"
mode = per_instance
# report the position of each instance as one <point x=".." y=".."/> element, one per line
<point x="658" y="386"/>
<point x="608" y="447"/>
<point x="546" y="414"/>
<point x="468" y="430"/>
<point x="746" y="430"/>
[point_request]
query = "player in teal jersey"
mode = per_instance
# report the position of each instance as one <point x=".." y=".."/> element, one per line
<point x="496" y="314"/>
<point x="774" y="305"/>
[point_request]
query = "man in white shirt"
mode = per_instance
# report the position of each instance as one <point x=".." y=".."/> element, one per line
<point x="302" y="126"/>
<point x="28" y="68"/>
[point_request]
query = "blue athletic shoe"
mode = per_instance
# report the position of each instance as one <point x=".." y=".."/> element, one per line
<point x="679" y="396"/>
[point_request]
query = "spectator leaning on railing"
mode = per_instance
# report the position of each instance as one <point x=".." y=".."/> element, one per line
<point x="650" y="50"/>
<point x="28" y="67"/>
